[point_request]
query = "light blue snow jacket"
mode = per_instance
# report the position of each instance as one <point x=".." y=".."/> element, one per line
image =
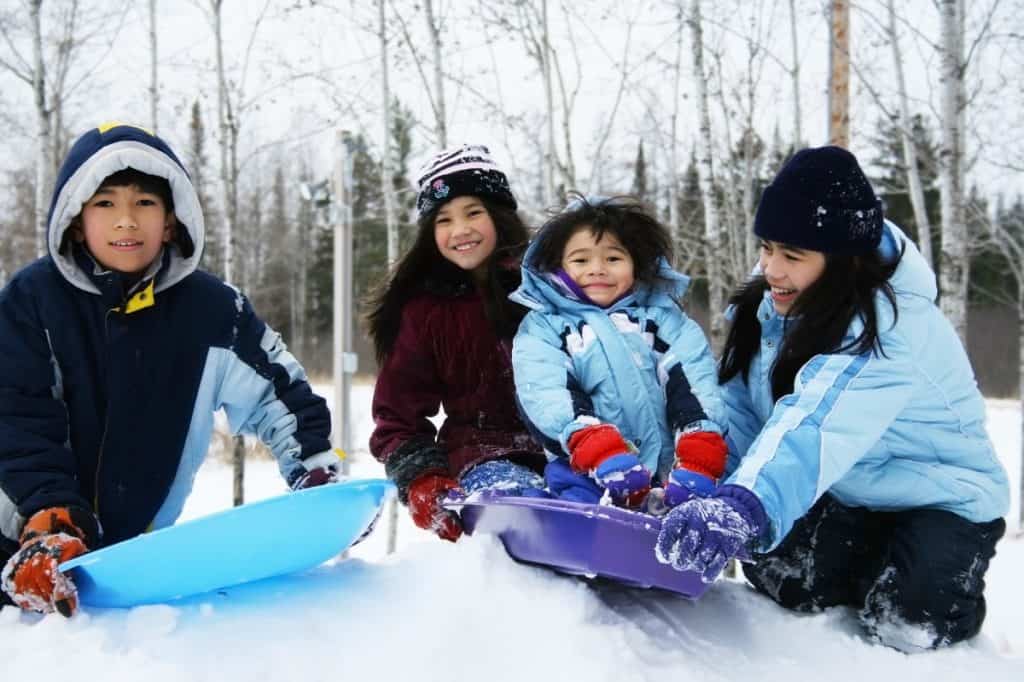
<point x="640" y="364"/>
<point x="901" y="430"/>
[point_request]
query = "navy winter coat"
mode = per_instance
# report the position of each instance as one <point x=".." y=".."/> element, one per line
<point x="107" y="389"/>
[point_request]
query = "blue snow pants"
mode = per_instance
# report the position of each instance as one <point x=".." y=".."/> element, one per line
<point x="916" y="577"/>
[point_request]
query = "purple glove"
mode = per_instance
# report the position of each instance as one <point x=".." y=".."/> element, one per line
<point x="703" y="533"/>
<point x="683" y="484"/>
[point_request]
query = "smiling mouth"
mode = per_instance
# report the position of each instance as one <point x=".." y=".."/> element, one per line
<point x="465" y="246"/>
<point x="126" y="243"/>
<point x="779" y="291"/>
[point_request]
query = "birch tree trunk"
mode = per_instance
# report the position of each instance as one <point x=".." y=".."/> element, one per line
<point x="550" y="157"/>
<point x="44" y="136"/>
<point x="386" y="165"/>
<point x="914" y="187"/>
<point x="673" y="148"/>
<point x="154" y="95"/>
<point x="712" y="231"/>
<point x="229" y="180"/>
<point x="228" y="141"/>
<point x="440" y="113"/>
<point x="954" y="266"/>
<point x="798" y="134"/>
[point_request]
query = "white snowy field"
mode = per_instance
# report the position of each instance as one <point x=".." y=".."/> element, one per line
<point x="437" y="611"/>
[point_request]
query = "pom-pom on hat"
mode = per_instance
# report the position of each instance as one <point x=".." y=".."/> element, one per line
<point x="467" y="170"/>
<point x="821" y="200"/>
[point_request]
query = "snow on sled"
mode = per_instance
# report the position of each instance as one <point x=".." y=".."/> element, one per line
<point x="272" y="537"/>
<point x="577" y="538"/>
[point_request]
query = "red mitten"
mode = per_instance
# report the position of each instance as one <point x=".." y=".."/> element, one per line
<point x="592" y="445"/>
<point x="30" y="577"/>
<point x="703" y="452"/>
<point x="425" y="495"/>
<point x="604" y="454"/>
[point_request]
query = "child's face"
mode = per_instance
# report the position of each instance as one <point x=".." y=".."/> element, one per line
<point x="603" y="269"/>
<point x="465" y="233"/>
<point x="124" y="228"/>
<point x="789" y="271"/>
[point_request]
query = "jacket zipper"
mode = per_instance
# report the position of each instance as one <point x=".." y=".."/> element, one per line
<point x="106" y="419"/>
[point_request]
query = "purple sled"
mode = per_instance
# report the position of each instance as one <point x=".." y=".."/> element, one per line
<point x="577" y="538"/>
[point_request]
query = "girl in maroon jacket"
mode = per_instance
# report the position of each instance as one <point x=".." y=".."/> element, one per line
<point x="442" y="327"/>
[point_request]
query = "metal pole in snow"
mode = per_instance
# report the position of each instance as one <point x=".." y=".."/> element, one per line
<point x="343" y="358"/>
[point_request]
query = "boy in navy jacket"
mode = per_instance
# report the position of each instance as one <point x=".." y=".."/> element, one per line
<point x="115" y="351"/>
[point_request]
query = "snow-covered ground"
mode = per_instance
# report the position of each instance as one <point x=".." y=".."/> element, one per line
<point x="436" y="611"/>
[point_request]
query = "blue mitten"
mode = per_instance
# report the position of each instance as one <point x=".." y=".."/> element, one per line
<point x="703" y="533"/>
<point x="625" y="478"/>
<point x="566" y="484"/>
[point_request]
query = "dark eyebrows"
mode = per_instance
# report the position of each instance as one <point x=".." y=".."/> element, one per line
<point x="584" y="249"/>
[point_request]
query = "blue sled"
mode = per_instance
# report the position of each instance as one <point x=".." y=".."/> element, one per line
<point x="272" y="537"/>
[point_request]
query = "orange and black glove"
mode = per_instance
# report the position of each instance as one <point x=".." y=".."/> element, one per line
<point x="50" y="537"/>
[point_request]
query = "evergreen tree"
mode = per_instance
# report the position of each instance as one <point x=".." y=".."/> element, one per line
<point x="213" y="259"/>
<point x="891" y="182"/>
<point x="639" y="187"/>
<point x="275" y="261"/>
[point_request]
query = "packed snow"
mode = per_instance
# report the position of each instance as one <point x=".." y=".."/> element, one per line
<point x="437" y="611"/>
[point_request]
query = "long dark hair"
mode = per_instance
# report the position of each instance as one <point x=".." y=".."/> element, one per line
<point x="817" y="322"/>
<point x="424" y="269"/>
<point x="646" y="239"/>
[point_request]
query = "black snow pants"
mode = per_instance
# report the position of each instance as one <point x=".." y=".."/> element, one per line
<point x="4" y="599"/>
<point x="916" y="576"/>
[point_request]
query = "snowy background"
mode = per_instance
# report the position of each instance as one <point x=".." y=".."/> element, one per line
<point x="436" y="611"/>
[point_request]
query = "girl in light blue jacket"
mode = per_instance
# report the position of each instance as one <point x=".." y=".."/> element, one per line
<point x="859" y="463"/>
<point x="615" y="381"/>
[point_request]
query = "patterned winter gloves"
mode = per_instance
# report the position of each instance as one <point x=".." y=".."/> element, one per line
<point x="703" y="533"/>
<point x="603" y="453"/>
<point x="425" y="496"/>
<point x="700" y="462"/>
<point x="49" y="538"/>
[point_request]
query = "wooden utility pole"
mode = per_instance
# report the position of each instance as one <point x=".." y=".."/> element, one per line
<point x="839" y="74"/>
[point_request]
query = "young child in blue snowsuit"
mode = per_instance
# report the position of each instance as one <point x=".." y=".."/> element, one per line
<point x="860" y="471"/>
<point x="614" y="379"/>
<point x="115" y="351"/>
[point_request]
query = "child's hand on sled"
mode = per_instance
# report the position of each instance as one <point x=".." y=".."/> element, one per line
<point x="703" y="533"/>
<point x="426" y="494"/>
<point x="603" y="453"/>
<point x="50" y="537"/>
<point x="319" y="469"/>
<point x="700" y="462"/>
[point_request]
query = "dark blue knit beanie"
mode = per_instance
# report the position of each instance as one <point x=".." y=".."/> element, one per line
<point x="822" y="201"/>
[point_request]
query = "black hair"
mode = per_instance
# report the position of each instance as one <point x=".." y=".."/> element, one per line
<point x="424" y="269"/>
<point x="625" y="217"/>
<point x="817" y="321"/>
<point x="151" y="184"/>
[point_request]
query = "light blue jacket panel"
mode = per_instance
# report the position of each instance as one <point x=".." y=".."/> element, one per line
<point x="898" y="430"/>
<point x="640" y="364"/>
